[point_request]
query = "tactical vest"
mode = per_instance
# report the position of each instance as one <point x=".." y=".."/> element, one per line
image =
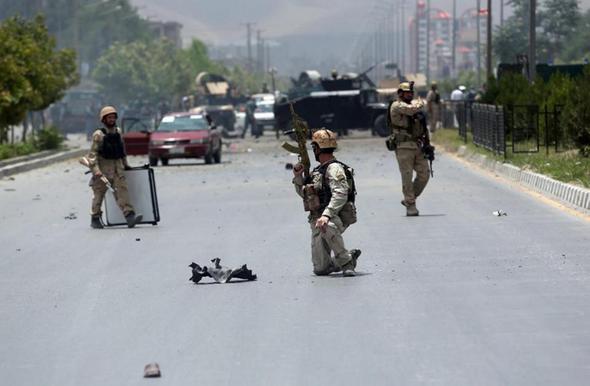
<point x="112" y="146"/>
<point x="325" y="194"/>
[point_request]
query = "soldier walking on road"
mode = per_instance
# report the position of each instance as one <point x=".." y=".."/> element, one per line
<point x="107" y="158"/>
<point x="410" y="134"/>
<point x="329" y="193"/>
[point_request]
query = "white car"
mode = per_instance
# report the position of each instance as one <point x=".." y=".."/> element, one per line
<point x="264" y="116"/>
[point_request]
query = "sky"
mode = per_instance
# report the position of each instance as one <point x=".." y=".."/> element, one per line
<point x="304" y="34"/>
<point x="223" y="21"/>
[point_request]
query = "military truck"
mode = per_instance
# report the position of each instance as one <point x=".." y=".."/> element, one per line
<point x="215" y="97"/>
<point x="348" y="102"/>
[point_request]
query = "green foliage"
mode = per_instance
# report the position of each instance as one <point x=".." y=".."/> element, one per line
<point x="34" y="74"/>
<point x="578" y="43"/>
<point x="17" y="149"/>
<point x="148" y="72"/>
<point x="49" y="138"/>
<point x="570" y="96"/>
<point x="89" y="26"/>
<point x="198" y="60"/>
<point x="558" y="20"/>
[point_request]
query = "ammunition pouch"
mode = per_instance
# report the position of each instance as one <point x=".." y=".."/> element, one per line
<point x="348" y="214"/>
<point x="311" y="199"/>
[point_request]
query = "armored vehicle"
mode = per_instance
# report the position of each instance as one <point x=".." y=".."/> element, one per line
<point x="347" y="102"/>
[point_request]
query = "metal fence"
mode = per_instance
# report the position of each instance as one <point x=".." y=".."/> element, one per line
<point x="522" y="128"/>
<point x="488" y="128"/>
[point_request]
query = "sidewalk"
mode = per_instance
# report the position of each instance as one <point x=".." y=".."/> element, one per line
<point x="574" y="196"/>
<point x="75" y="144"/>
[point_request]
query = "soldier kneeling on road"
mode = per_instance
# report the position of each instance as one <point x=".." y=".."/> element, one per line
<point x="107" y="160"/>
<point x="328" y="194"/>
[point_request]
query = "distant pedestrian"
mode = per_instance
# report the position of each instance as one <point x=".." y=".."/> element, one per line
<point x="433" y="107"/>
<point x="458" y="100"/>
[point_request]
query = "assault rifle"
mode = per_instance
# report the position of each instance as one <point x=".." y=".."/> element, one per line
<point x="427" y="147"/>
<point x="301" y="132"/>
<point x="86" y="162"/>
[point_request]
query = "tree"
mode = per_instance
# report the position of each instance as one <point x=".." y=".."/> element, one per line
<point x="559" y="20"/>
<point x="199" y="61"/>
<point x="89" y="26"/>
<point x="146" y="72"/>
<point x="578" y="43"/>
<point x="34" y="74"/>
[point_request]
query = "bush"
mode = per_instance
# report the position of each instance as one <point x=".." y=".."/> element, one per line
<point x="14" y="150"/>
<point x="49" y="138"/>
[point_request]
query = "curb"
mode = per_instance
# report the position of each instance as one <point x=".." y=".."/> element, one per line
<point x="38" y="161"/>
<point x="576" y="196"/>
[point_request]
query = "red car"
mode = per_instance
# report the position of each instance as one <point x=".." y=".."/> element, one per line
<point x="184" y="135"/>
<point x="136" y="134"/>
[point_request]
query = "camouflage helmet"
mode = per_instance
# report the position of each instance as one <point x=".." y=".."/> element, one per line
<point x="325" y="139"/>
<point x="406" y="86"/>
<point x="106" y="111"/>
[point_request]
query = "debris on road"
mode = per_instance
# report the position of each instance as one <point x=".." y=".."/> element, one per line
<point x="220" y="273"/>
<point x="499" y="213"/>
<point x="10" y="190"/>
<point x="152" y="370"/>
<point x="71" y="216"/>
<point x="289" y="166"/>
<point x="37" y="198"/>
<point x="138" y="239"/>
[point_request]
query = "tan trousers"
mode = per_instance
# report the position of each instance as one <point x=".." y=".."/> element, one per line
<point x="99" y="188"/>
<point x="410" y="160"/>
<point x="322" y="244"/>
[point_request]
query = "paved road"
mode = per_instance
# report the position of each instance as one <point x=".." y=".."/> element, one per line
<point x="454" y="297"/>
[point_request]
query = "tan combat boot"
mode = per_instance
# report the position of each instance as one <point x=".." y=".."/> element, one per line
<point x="412" y="211"/>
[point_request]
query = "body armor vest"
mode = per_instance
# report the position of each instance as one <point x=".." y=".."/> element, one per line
<point x="325" y="194"/>
<point x="112" y="146"/>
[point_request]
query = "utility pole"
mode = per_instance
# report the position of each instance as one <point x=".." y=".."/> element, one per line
<point x="532" y="38"/>
<point x="259" y="53"/>
<point x="428" y="43"/>
<point x="403" y="35"/>
<point x="478" y="44"/>
<point x="398" y="36"/>
<point x="249" y="45"/>
<point x="268" y="65"/>
<point x="454" y="40"/>
<point x="489" y="69"/>
<point x="417" y="28"/>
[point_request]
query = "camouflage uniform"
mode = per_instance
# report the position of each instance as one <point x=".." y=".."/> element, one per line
<point x="322" y="243"/>
<point x="113" y="170"/>
<point x="407" y="131"/>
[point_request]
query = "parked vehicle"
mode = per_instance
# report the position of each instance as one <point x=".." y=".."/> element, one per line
<point x="184" y="135"/>
<point x="136" y="134"/>
<point x="347" y="102"/>
<point x="264" y="116"/>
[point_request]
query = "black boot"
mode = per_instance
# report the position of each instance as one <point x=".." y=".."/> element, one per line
<point x="133" y="219"/>
<point x="96" y="222"/>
